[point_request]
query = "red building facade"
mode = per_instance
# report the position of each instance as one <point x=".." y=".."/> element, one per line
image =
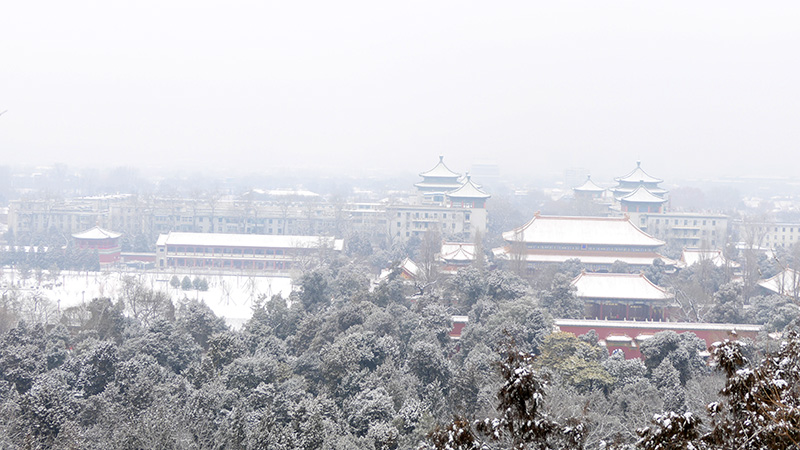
<point x="104" y="241"/>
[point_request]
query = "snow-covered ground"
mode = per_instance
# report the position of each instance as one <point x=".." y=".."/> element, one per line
<point x="229" y="296"/>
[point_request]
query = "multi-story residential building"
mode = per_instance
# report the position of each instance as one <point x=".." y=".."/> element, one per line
<point x="767" y="235"/>
<point x="687" y="229"/>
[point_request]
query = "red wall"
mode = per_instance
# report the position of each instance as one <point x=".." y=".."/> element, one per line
<point x="710" y="336"/>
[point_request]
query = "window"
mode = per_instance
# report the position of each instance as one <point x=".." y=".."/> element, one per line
<point x="713" y="222"/>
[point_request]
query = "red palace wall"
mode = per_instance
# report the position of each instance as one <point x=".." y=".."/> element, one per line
<point x="710" y="333"/>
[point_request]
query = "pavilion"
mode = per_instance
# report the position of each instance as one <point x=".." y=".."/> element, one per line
<point x="636" y="178"/>
<point x="104" y="241"/>
<point x="622" y="296"/>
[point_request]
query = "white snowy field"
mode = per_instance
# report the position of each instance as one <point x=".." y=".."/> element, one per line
<point x="229" y="296"/>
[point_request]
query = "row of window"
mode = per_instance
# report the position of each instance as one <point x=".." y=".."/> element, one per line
<point x="418" y="215"/>
<point x="229" y="264"/>
<point x="216" y="251"/>
<point x="686" y="222"/>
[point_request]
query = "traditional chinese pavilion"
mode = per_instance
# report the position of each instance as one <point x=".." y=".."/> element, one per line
<point x="641" y="200"/>
<point x="104" y="241"/>
<point x="636" y="178"/>
<point x="468" y="195"/>
<point x="455" y="255"/>
<point x="622" y="296"/>
<point x="437" y="181"/>
<point x="588" y="190"/>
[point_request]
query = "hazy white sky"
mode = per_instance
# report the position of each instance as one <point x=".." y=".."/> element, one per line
<point x="539" y="86"/>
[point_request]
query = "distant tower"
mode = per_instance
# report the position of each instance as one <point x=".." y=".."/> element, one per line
<point x="437" y="181"/>
<point x="638" y="177"/>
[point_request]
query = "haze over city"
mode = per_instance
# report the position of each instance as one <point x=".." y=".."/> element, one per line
<point x="693" y="89"/>
<point x="412" y="226"/>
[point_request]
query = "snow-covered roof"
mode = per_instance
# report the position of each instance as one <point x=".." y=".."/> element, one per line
<point x="618" y="286"/>
<point x="468" y="190"/>
<point x="642" y="195"/>
<point x="407" y="265"/>
<point x="691" y="256"/>
<point x="97" y="233"/>
<point x="787" y="282"/>
<point x="285" y="192"/>
<point x="589" y="186"/>
<point x="677" y="326"/>
<point x="440" y="170"/>
<point x="248" y="240"/>
<point x="613" y="231"/>
<point x="638" y="176"/>
<point x="458" y="251"/>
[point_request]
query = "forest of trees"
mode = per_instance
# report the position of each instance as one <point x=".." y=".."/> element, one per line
<point x="343" y="365"/>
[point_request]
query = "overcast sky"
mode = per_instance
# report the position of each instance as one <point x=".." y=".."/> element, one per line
<point x="690" y="87"/>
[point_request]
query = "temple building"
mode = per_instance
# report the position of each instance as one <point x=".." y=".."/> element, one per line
<point x="104" y="241"/>
<point x="596" y="241"/>
<point x="468" y="195"/>
<point x="438" y="181"/>
<point x="622" y="296"/>
<point x="638" y="177"/>
<point x="237" y="252"/>
<point x="588" y="190"/>
<point x="456" y="255"/>
<point x="641" y="200"/>
<point x="455" y="207"/>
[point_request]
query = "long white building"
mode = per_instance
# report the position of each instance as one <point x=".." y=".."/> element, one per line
<point x="240" y="252"/>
